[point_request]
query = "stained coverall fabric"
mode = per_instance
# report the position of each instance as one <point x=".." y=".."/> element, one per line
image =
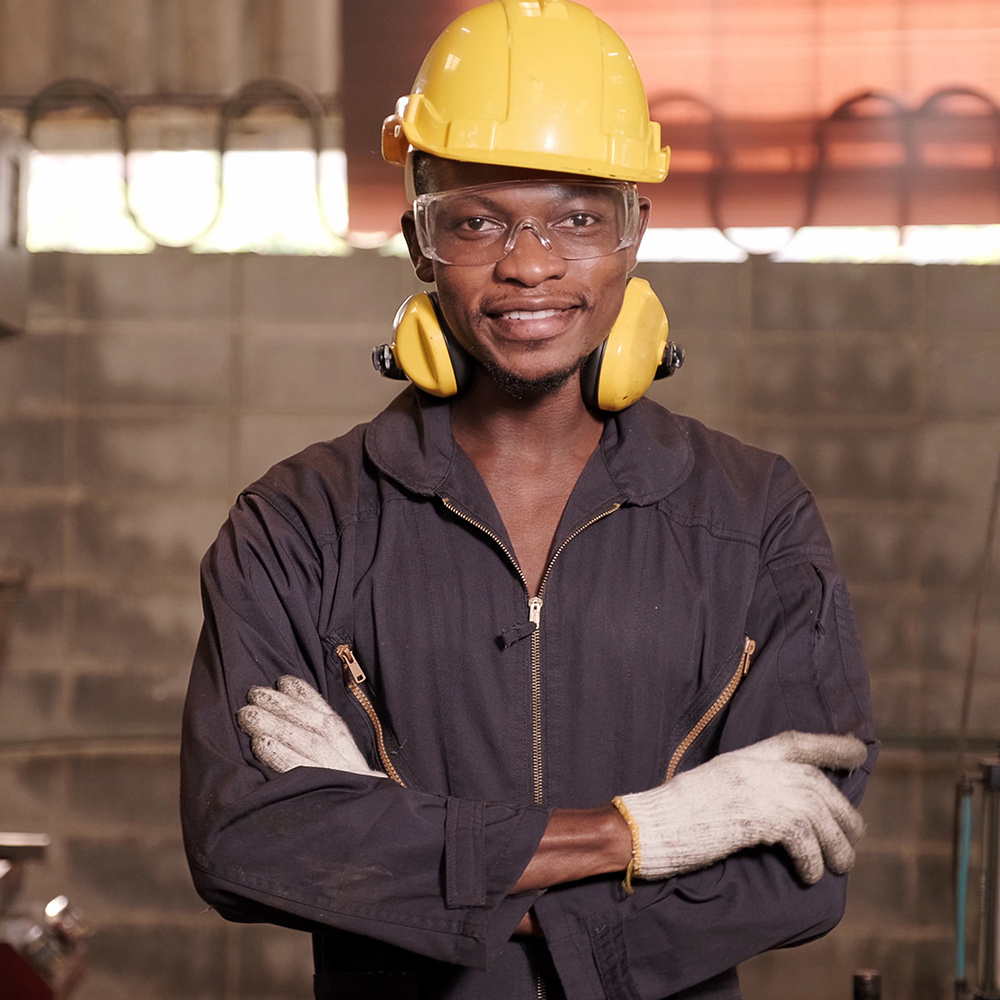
<point x="676" y="543"/>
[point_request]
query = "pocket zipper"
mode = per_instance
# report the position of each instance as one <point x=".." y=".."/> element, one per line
<point x="355" y="677"/>
<point x="717" y="706"/>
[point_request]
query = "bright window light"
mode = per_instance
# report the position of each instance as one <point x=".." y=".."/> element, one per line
<point x="270" y="204"/>
<point x="688" y="245"/>
<point x="76" y="201"/>
<point x="830" y="244"/>
<point x="843" y="244"/>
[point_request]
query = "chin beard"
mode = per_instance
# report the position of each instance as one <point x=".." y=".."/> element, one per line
<point x="520" y="387"/>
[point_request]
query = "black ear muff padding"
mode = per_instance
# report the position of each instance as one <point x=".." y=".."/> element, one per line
<point x="590" y="375"/>
<point x="461" y="361"/>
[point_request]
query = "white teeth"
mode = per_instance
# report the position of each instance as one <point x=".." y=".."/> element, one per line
<point x="531" y="314"/>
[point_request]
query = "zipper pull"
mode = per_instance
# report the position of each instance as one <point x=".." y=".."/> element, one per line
<point x="351" y="665"/>
<point x="748" y="648"/>
<point x="535" y="611"/>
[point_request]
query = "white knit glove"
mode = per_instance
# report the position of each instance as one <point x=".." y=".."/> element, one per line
<point x="295" y="727"/>
<point x="769" y="793"/>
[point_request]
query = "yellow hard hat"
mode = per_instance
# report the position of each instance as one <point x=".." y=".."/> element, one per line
<point x="542" y="84"/>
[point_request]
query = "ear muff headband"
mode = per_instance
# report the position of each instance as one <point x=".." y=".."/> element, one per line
<point x="613" y="378"/>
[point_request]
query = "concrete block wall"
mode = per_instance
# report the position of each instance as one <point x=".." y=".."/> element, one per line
<point x="149" y="389"/>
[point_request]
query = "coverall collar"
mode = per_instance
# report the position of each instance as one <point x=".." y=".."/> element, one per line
<point x="643" y="456"/>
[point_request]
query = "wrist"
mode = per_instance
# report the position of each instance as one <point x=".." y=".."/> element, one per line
<point x="578" y="843"/>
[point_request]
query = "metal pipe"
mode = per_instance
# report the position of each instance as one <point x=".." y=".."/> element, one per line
<point x="989" y="922"/>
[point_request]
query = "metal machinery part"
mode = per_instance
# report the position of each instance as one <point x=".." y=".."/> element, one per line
<point x="987" y="984"/>
<point x="989" y="927"/>
<point x="41" y="948"/>
<point x="13" y="225"/>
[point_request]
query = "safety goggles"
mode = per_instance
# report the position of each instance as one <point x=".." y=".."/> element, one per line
<point x="575" y="220"/>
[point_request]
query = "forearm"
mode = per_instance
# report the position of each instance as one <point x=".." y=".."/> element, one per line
<point x="578" y="843"/>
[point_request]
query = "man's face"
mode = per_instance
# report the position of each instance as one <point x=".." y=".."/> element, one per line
<point x="531" y="316"/>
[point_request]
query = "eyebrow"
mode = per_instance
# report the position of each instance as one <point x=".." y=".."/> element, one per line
<point x="566" y="193"/>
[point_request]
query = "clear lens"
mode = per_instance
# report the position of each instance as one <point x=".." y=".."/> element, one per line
<point x="480" y="225"/>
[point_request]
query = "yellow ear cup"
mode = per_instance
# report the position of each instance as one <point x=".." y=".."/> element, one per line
<point x="634" y="348"/>
<point x="420" y="347"/>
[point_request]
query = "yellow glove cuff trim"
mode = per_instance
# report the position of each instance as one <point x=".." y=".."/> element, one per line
<point x="636" y="863"/>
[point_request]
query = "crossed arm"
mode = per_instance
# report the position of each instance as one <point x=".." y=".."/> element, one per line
<point x="772" y="792"/>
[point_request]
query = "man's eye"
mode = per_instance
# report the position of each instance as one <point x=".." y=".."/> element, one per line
<point x="477" y="224"/>
<point x="579" y="220"/>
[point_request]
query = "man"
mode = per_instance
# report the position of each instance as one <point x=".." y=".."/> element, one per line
<point x="518" y="652"/>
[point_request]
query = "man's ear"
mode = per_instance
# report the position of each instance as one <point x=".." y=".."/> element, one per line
<point x="633" y="251"/>
<point x="423" y="267"/>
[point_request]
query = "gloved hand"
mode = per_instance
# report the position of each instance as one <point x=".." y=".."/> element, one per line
<point x="295" y="727"/>
<point x="769" y="793"/>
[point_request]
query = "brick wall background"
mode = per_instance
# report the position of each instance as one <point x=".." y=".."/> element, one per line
<point x="149" y="389"/>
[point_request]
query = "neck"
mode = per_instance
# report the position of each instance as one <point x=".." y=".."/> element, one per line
<point x="487" y="421"/>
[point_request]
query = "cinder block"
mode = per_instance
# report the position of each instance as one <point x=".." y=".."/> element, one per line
<point x="125" y="791"/>
<point x="873" y="547"/>
<point x="29" y="703"/>
<point x="266" y="440"/>
<point x="308" y="368"/>
<point x="889" y="806"/>
<point x="822" y="970"/>
<point x="897" y="703"/>
<point x="31" y="452"/>
<point x="32" y="371"/>
<point x="275" y="963"/>
<point x="176" y="455"/>
<point x="808" y="376"/>
<point x="962" y="299"/>
<point x="700" y="296"/>
<point x="935" y="885"/>
<point x="139" y="631"/>
<point x="950" y="542"/>
<point x="711" y="385"/>
<point x="36" y="621"/>
<point x="111" y="44"/>
<point x="934" y="967"/>
<point x="29" y="790"/>
<point x="958" y="460"/>
<point x="964" y="375"/>
<point x="27" y="50"/>
<point x="362" y="288"/>
<point x="33" y="536"/>
<point x="165" y="285"/>
<point x="189" y="366"/>
<point x="947" y="629"/>
<point x="128" y="705"/>
<point x="937" y="811"/>
<point x="143" y="538"/>
<point x="131" y="873"/>
<point x="881" y="887"/>
<point x="890" y="633"/>
<point x="833" y="297"/>
<point x="166" y="962"/>
<point x="941" y="706"/>
<point x="870" y="464"/>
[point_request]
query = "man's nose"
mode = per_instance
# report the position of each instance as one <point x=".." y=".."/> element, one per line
<point x="529" y="261"/>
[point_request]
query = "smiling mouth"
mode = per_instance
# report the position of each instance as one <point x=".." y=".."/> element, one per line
<point x="521" y="314"/>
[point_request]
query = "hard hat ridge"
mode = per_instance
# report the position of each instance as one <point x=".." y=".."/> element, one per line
<point x="542" y="84"/>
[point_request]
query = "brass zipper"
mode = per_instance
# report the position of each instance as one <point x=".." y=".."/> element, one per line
<point x="713" y="710"/>
<point x="535" y="616"/>
<point x="355" y="677"/>
<point x="541" y="993"/>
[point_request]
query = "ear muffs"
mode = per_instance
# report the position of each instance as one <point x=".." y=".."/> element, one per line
<point x="615" y="375"/>
<point x="635" y="352"/>
<point x="424" y="349"/>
